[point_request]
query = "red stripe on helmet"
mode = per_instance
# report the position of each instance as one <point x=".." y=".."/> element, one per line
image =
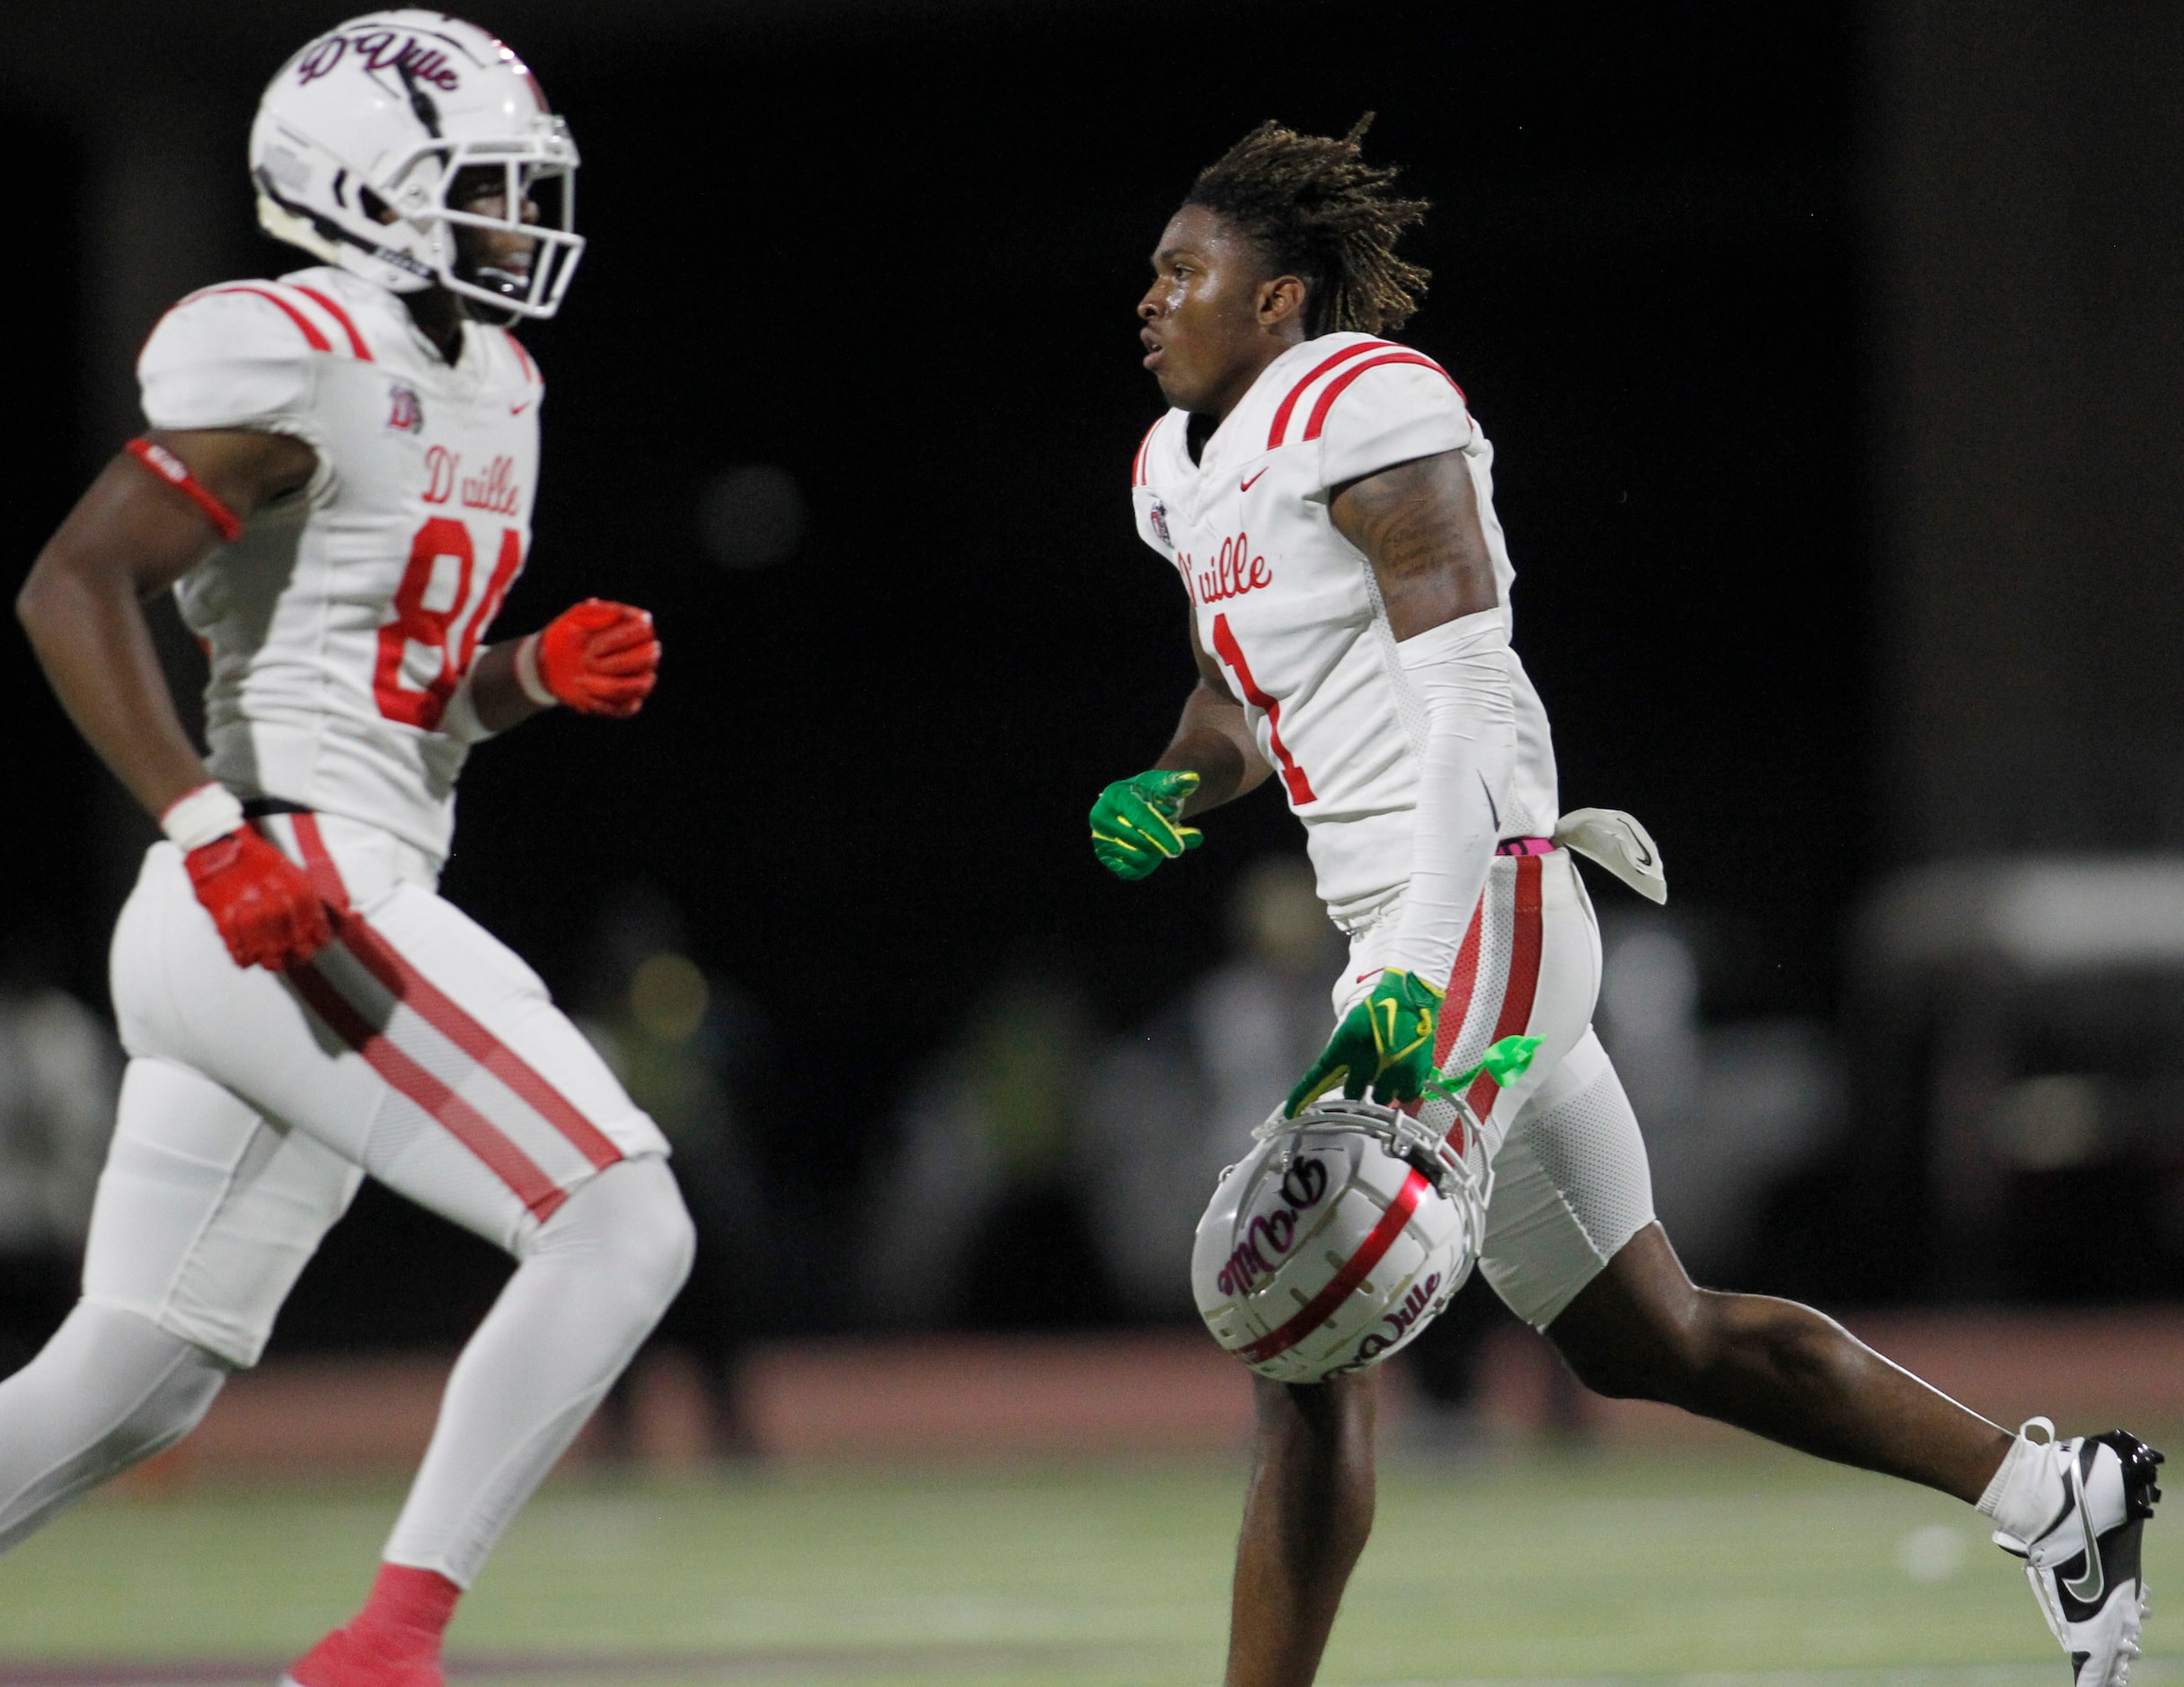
<point x="1322" y="1306"/>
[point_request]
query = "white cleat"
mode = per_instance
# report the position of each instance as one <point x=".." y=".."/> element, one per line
<point x="2083" y="1566"/>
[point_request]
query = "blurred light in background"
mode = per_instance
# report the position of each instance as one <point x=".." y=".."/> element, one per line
<point x="751" y="516"/>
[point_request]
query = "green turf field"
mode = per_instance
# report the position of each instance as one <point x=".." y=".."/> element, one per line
<point x="1582" y="1567"/>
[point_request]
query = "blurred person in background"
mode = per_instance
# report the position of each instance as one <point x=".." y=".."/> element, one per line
<point x="1326" y="498"/>
<point x="1170" y="1107"/>
<point x="977" y="1219"/>
<point x="1730" y="1110"/>
<point x="684" y="1043"/>
<point x="339" y="483"/>
<point x="60" y="1071"/>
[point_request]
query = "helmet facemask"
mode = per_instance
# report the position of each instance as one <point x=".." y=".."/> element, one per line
<point x="518" y="261"/>
<point x="438" y="192"/>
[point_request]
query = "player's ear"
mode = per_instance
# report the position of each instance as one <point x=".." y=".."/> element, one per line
<point x="1279" y="300"/>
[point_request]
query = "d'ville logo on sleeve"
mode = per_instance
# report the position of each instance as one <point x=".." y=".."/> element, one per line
<point x="405" y="411"/>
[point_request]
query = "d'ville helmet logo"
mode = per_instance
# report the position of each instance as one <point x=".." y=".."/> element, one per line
<point x="1302" y="1186"/>
<point x="375" y="50"/>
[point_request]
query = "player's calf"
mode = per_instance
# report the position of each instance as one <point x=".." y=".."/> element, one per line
<point x="594" y="1281"/>
<point x="109" y="1389"/>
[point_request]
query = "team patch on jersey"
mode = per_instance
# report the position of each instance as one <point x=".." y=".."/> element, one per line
<point x="408" y="412"/>
<point x="1160" y="523"/>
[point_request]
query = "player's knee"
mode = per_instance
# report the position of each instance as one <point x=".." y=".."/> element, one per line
<point x="671" y="1242"/>
<point x="1662" y="1350"/>
<point x="175" y="1407"/>
<point x="631" y="1219"/>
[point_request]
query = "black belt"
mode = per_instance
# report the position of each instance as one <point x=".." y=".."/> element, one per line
<point x="258" y="807"/>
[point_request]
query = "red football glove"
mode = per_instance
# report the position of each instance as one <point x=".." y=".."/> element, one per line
<point x="267" y="913"/>
<point x="600" y="659"/>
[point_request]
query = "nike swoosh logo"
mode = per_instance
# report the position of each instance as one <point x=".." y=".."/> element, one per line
<point x="517" y="409"/>
<point x="1252" y="482"/>
<point x="2088" y="1587"/>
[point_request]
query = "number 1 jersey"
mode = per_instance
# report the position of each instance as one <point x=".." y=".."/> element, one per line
<point x="340" y="621"/>
<point x="1290" y="610"/>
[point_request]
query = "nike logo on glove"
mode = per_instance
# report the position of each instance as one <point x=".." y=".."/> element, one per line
<point x="1252" y="482"/>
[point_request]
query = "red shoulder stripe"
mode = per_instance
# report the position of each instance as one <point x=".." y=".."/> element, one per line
<point x="1281" y="416"/>
<point x="1138" y="474"/>
<point x="316" y="340"/>
<point x="530" y="369"/>
<point x="1335" y="386"/>
<point x="355" y="340"/>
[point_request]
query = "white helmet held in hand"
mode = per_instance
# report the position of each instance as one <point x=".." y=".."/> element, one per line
<point x="362" y="135"/>
<point x="1339" y="1236"/>
<point x="1347" y="1229"/>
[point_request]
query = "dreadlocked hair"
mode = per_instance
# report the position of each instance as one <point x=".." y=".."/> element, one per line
<point x="1323" y="214"/>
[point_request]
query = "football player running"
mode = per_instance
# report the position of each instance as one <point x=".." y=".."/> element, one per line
<point x="338" y="483"/>
<point x="1327" y="497"/>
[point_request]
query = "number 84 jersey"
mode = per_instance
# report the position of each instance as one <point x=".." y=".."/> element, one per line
<point x="343" y="618"/>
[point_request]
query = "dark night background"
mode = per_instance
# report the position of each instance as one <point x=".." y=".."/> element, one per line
<point x="900" y="262"/>
<point x="1759" y="307"/>
<point x="903" y="266"/>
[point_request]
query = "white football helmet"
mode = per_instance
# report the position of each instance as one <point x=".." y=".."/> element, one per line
<point x="361" y="135"/>
<point x="1340" y="1236"/>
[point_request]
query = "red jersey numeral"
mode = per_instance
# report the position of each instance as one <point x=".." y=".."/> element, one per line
<point x="446" y="623"/>
<point x="1232" y="653"/>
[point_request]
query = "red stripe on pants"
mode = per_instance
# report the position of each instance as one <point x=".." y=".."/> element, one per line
<point x="1463" y="979"/>
<point x="1524" y="979"/>
<point x="463" y="1122"/>
<point x="410" y="987"/>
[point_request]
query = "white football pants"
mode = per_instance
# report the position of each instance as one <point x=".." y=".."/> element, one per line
<point x="1571" y="1185"/>
<point x="417" y="1049"/>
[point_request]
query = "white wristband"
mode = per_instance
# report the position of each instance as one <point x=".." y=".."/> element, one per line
<point x="460" y="720"/>
<point x="526" y="673"/>
<point x="203" y="815"/>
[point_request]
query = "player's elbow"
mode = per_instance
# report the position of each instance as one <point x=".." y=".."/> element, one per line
<point x="37" y="605"/>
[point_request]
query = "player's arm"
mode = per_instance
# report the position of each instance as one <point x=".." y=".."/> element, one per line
<point x="132" y="534"/>
<point x="1211" y="760"/>
<point x="1212" y="739"/>
<point x="145" y="522"/>
<point x="1418" y="525"/>
<point x="598" y="658"/>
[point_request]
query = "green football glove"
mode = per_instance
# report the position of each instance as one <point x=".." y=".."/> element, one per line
<point x="1384" y="1045"/>
<point x="1134" y="824"/>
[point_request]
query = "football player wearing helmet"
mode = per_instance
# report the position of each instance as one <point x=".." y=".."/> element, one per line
<point x="338" y="485"/>
<point x="1327" y="497"/>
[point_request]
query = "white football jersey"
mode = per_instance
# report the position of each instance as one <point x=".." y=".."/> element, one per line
<point x="1291" y="611"/>
<point x="342" y="619"/>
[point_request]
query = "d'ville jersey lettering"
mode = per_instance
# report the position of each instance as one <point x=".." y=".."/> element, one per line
<point x="495" y="490"/>
<point x="1233" y="572"/>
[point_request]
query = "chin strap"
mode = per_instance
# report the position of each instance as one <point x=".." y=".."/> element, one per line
<point x="323" y="237"/>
